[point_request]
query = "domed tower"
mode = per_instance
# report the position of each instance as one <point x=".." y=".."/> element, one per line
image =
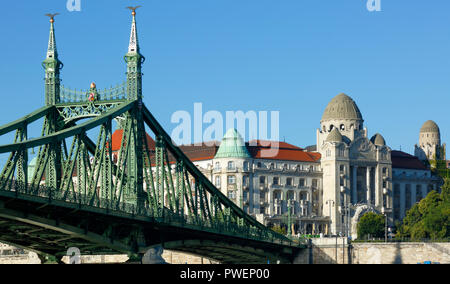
<point x="231" y="169"/>
<point x="341" y="113"/>
<point x="429" y="147"/>
<point x="356" y="170"/>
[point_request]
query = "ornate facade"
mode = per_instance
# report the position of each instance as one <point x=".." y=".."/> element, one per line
<point x="356" y="170"/>
<point x="325" y="188"/>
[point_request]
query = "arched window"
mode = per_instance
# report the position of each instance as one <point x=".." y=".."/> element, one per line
<point x="342" y="127"/>
<point x="231" y="165"/>
<point x="331" y="127"/>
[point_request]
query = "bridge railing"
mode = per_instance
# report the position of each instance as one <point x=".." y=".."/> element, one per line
<point x="164" y="216"/>
<point x="118" y="92"/>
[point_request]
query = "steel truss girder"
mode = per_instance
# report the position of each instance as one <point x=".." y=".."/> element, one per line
<point x="168" y="188"/>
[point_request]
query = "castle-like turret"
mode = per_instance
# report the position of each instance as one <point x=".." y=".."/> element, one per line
<point x="430" y="147"/>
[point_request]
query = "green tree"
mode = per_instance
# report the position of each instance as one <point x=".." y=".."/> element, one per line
<point x="279" y="229"/>
<point x="371" y="224"/>
<point x="430" y="218"/>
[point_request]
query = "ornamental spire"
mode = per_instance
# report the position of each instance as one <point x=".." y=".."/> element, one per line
<point x="51" y="51"/>
<point x="52" y="66"/>
<point x="134" y="60"/>
<point x="134" y="42"/>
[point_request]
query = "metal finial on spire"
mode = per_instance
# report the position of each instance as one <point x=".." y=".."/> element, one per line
<point x="52" y="17"/>
<point x="133" y="9"/>
<point x="134" y="42"/>
<point x="51" y="52"/>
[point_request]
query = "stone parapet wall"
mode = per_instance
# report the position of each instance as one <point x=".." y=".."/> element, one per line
<point x="400" y="253"/>
<point x="376" y="253"/>
<point x="173" y="257"/>
<point x="12" y="255"/>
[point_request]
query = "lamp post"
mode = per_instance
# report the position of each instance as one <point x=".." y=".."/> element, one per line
<point x="289" y="213"/>
<point x="345" y="225"/>
<point x="384" y="211"/>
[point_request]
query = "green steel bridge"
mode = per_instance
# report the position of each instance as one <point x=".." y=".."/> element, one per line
<point x="83" y="194"/>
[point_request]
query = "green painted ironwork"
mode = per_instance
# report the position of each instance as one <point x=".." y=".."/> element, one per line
<point x="160" y="183"/>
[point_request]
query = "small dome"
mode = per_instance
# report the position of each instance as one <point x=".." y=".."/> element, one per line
<point x="429" y="127"/>
<point x="232" y="146"/>
<point x="32" y="167"/>
<point x="334" y="136"/>
<point x="378" y="140"/>
<point x="342" y="107"/>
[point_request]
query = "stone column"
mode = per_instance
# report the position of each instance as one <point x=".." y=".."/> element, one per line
<point x="154" y="256"/>
<point x="378" y="191"/>
<point x="355" y="185"/>
<point x="424" y="190"/>
<point x="402" y="200"/>
<point x="368" y="169"/>
<point x="270" y="201"/>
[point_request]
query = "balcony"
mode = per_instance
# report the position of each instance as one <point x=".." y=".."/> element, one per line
<point x="276" y="186"/>
<point x="232" y="170"/>
<point x="304" y="202"/>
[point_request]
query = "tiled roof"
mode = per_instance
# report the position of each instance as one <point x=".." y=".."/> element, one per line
<point x="404" y="160"/>
<point x="207" y="151"/>
<point x="286" y="152"/>
<point x="117" y="140"/>
<point x="265" y="143"/>
<point x="200" y="153"/>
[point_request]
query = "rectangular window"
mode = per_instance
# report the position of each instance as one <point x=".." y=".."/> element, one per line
<point x="302" y="182"/>
<point x="245" y="181"/>
<point x="218" y="180"/>
<point x="262" y="180"/>
<point x="231" y="180"/>
<point x="276" y="181"/>
<point x="289" y="181"/>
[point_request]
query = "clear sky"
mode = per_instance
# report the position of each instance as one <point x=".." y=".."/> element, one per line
<point x="291" y="56"/>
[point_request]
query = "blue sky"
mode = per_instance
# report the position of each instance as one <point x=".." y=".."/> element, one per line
<point x="291" y="56"/>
